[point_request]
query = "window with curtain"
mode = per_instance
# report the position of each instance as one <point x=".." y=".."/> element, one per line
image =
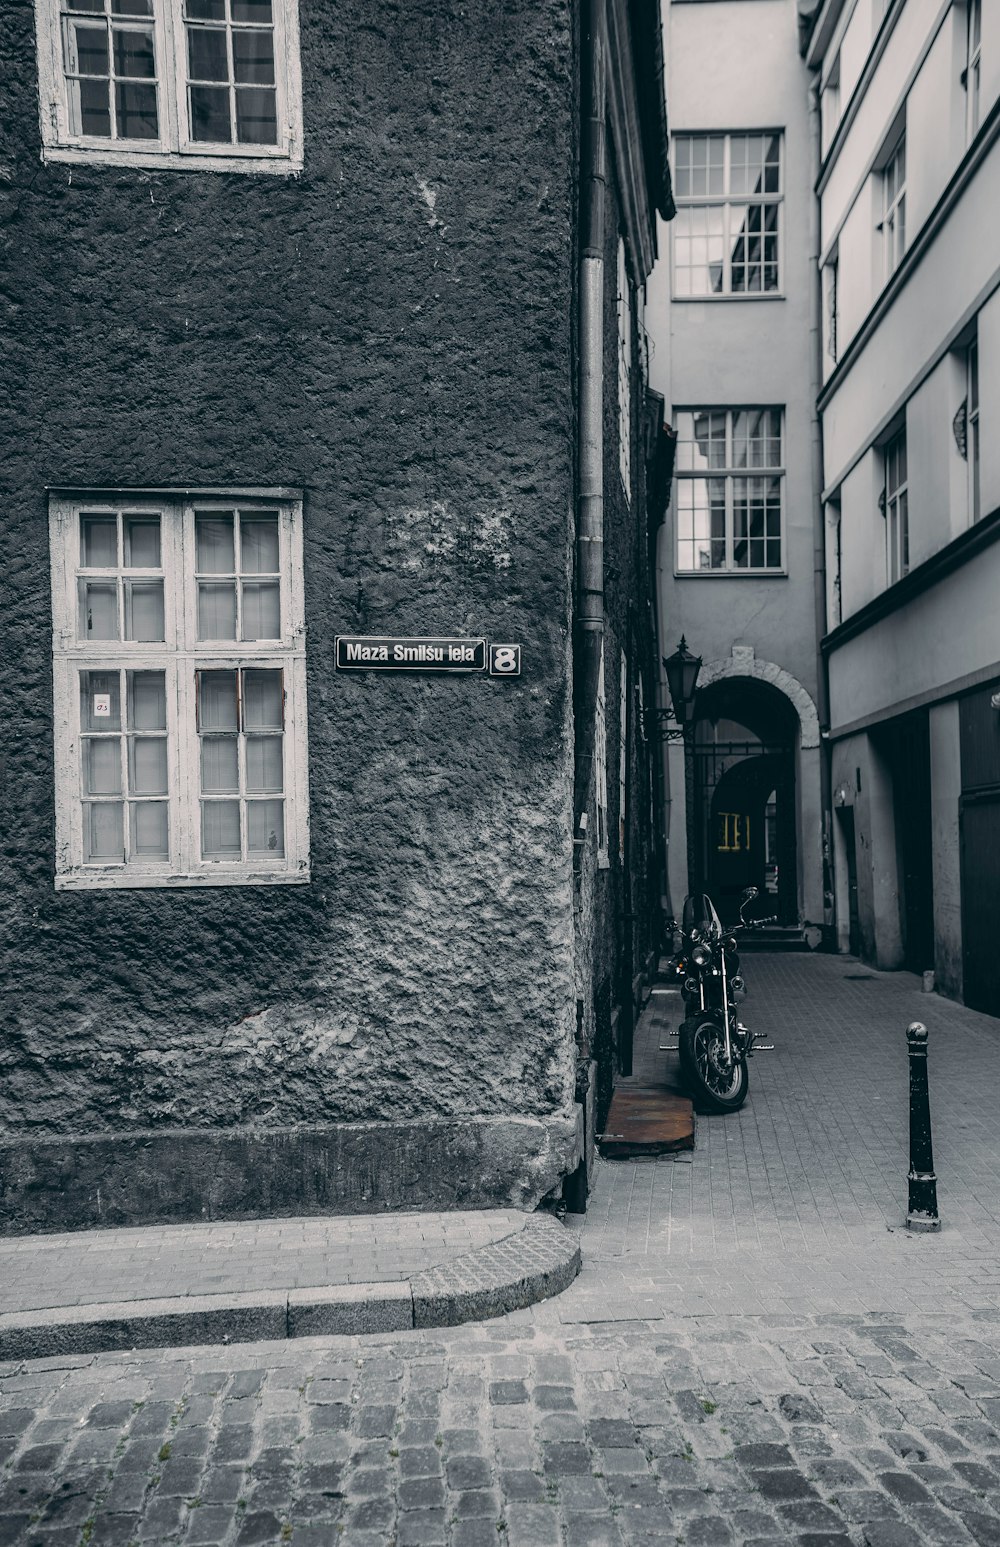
<point x="179" y="681"/>
<point x="729" y="490"/>
<point x="197" y="82"/>
<point x="727" y="230"/>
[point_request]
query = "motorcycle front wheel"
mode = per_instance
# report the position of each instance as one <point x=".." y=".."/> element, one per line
<point x="716" y="1087"/>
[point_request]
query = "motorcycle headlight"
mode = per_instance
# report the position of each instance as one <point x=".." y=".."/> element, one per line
<point x="701" y="956"/>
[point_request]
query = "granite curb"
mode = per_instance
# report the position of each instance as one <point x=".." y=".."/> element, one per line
<point x="529" y="1265"/>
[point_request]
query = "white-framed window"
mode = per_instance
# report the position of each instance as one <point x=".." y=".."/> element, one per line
<point x="831" y="306"/>
<point x="601" y="769"/>
<point x="895" y="503"/>
<point x="727" y="231"/>
<point x="202" y="83"/>
<point x="892" y="226"/>
<point x="179" y="690"/>
<point x="830" y="104"/>
<point x="624" y="307"/>
<point x="729" y="483"/>
<point x="972" y="430"/>
<point x="973" y="66"/>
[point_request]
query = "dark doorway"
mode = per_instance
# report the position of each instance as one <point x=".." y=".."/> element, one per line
<point x="906" y="747"/>
<point x="980" y="857"/>
<point x="744" y="805"/>
<point x="845" y="816"/>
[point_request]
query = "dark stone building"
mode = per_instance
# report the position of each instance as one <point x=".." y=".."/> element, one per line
<point x="297" y="346"/>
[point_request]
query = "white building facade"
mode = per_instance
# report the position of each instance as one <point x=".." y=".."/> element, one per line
<point x="733" y="322"/>
<point x="909" y="203"/>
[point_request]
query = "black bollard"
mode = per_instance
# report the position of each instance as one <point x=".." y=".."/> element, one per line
<point x="923" y="1209"/>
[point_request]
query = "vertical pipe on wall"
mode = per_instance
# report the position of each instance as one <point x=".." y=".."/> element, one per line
<point x="590" y="471"/>
<point x="819" y="522"/>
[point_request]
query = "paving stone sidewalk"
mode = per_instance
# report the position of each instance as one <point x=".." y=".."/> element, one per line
<point x="754" y="1353"/>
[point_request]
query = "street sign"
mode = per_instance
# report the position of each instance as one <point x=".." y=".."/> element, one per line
<point x="505" y="660"/>
<point x="363" y="652"/>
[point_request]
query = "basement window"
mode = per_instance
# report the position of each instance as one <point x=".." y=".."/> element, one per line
<point x="210" y="84"/>
<point x="179" y="691"/>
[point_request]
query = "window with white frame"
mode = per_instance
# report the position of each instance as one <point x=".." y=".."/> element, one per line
<point x="895" y="504"/>
<point x="972" y="431"/>
<point x="601" y="770"/>
<point x="831" y="307"/>
<point x="624" y="306"/>
<point x="973" y="65"/>
<point x="729" y="482"/>
<point x="179" y="691"/>
<point x="726" y="233"/>
<point x="207" y="83"/>
<point x="892" y="226"/>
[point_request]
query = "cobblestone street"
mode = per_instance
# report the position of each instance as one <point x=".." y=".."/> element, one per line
<point x="756" y="1350"/>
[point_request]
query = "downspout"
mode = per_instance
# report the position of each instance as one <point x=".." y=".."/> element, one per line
<point x="590" y="471"/>
<point x="819" y="525"/>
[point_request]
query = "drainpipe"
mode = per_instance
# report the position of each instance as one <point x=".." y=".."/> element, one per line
<point x="819" y="524"/>
<point x="590" y="470"/>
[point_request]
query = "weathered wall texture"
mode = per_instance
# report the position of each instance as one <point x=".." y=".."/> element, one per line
<point x="391" y="333"/>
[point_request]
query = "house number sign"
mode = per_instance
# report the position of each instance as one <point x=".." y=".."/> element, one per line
<point x="368" y="652"/>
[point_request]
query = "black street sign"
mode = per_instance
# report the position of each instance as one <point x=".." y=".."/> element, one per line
<point x="361" y="652"/>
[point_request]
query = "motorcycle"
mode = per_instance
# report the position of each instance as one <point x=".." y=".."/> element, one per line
<point x="713" y="1043"/>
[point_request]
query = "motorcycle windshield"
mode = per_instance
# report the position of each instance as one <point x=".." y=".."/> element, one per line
<point x="699" y="913"/>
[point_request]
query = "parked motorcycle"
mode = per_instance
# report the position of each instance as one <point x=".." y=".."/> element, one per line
<point x="714" y="1045"/>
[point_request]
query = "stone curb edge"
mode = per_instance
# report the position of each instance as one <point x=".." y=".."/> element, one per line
<point x="529" y="1265"/>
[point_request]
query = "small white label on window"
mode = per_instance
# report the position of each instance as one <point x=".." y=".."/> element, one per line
<point x="102" y="706"/>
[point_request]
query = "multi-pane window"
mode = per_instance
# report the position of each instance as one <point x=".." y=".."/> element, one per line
<point x="200" y="81"/>
<point x="624" y="306"/>
<point x="972" y="431"/>
<point x="726" y="233"/>
<point x="179" y="691"/>
<point x="973" y="65"/>
<point x="729" y="483"/>
<point x="896" y="503"/>
<point x="893" y="223"/>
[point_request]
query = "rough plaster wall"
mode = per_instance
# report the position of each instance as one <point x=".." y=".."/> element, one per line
<point x="391" y="332"/>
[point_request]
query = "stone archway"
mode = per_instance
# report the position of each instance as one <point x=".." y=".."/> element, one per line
<point x="744" y="663"/>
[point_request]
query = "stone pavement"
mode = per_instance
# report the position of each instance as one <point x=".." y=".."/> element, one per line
<point x="755" y="1352"/>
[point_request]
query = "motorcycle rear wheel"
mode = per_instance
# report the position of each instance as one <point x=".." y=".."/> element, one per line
<point x="715" y="1087"/>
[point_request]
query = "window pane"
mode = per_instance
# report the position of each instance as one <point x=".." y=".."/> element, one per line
<point x="207" y="57"/>
<point x="148" y="765"/>
<point x="149" y="829"/>
<point x="259" y="545"/>
<point x="144" y="610"/>
<point x="205" y="10"/>
<point x="147" y="701"/>
<point x="253" y="58"/>
<point x="131" y="7"/>
<point x="142" y="542"/>
<point x="261" y="609"/>
<point x="88" y="50"/>
<point x="98" y="609"/>
<point x="133" y="53"/>
<point x="102" y="766"/>
<point x="215" y="554"/>
<point x="217" y="701"/>
<point x="100" y="705"/>
<point x="263" y="764"/>
<point x="219" y="768"/>
<point x="103" y="830"/>
<point x="91" y="109"/>
<point x="135" y="107"/>
<point x="266" y="827"/>
<point x="256" y="116"/>
<point x="210" y="121"/>
<point x="258" y="11"/>
<point x="99" y="542"/>
<point x="216" y="610"/>
<point x="262" y="701"/>
<point x="220" y="829"/>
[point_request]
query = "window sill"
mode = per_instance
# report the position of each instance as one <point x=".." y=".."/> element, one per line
<point x="119" y="881"/>
<point x="755" y="296"/>
<point x="730" y="574"/>
<point x="275" y="164"/>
